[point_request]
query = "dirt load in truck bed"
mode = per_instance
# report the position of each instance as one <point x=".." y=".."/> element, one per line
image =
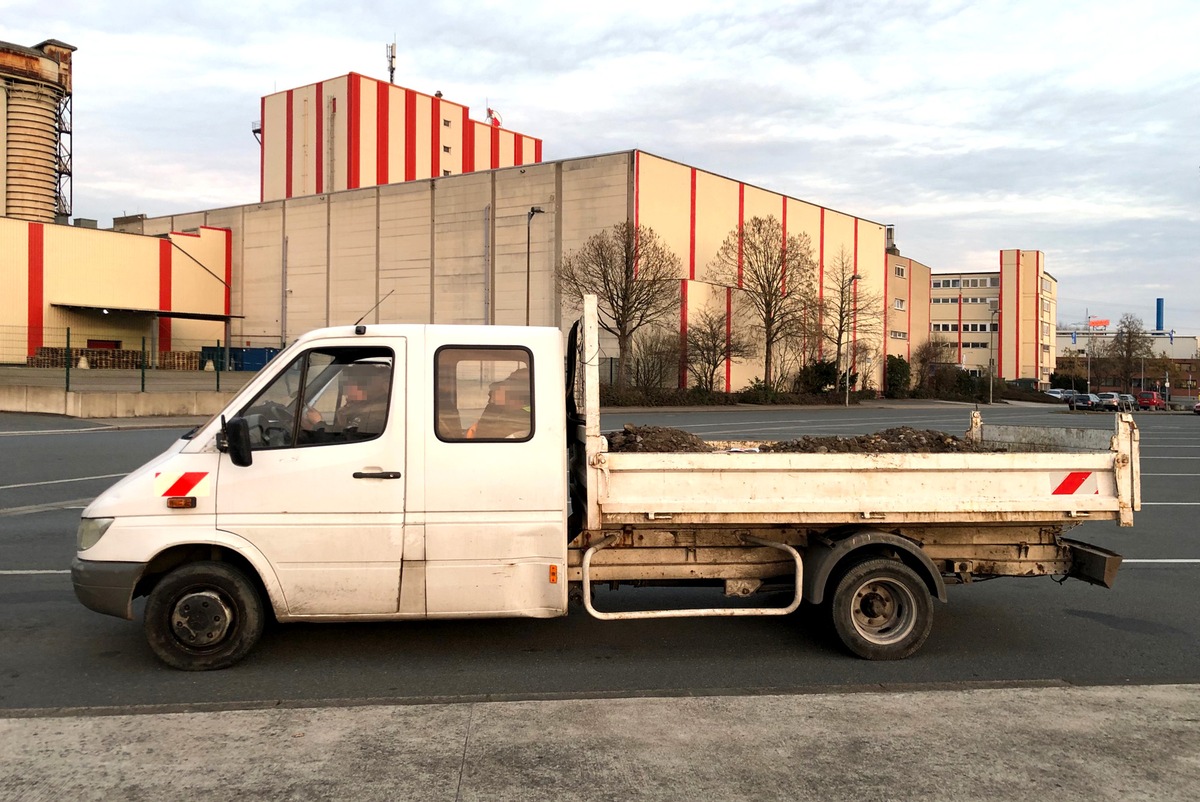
<point x="901" y="439"/>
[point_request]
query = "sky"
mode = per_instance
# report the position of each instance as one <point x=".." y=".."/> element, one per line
<point x="1066" y="127"/>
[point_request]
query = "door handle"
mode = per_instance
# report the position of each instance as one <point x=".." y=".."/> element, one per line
<point x="376" y="474"/>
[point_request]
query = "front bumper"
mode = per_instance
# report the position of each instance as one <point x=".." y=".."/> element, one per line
<point x="106" y="587"/>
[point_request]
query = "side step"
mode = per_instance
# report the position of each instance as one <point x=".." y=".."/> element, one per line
<point x="690" y="613"/>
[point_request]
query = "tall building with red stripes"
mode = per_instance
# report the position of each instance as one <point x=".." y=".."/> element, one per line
<point x="353" y="131"/>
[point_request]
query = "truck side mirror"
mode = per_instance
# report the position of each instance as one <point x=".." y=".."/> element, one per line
<point x="234" y="439"/>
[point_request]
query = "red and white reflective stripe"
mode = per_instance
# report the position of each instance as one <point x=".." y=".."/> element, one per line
<point x="1074" y="483"/>
<point x="187" y="483"/>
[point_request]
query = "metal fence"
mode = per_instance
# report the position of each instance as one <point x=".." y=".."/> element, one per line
<point x="79" y="359"/>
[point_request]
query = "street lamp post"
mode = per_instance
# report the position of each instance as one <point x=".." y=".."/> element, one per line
<point x="528" y="225"/>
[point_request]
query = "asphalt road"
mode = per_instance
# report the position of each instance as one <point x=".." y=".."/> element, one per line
<point x="57" y="654"/>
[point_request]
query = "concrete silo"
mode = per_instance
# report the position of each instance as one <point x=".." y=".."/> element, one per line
<point x="35" y="131"/>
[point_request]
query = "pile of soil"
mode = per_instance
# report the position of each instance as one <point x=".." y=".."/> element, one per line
<point x="898" y="440"/>
<point x="655" y="439"/>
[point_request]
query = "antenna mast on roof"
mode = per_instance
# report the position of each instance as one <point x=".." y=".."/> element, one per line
<point x="391" y="60"/>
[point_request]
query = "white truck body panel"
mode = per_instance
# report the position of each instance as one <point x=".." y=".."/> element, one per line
<point x="1076" y="474"/>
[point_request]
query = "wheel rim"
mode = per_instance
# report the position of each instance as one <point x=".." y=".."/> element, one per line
<point x="883" y="611"/>
<point x="201" y="619"/>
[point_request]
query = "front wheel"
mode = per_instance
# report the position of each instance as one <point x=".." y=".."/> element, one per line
<point x="203" y="616"/>
<point x="882" y="610"/>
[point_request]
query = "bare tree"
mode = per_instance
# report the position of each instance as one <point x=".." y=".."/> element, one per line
<point x="1123" y="354"/>
<point x="775" y="281"/>
<point x="654" y="359"/>
<point x="852" y="317"/>
<point x="634" y="276"/>
<point x="926" y="360"/>
<point x="710" y="341"/>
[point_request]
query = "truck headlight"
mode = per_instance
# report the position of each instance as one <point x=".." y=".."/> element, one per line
<point x="90" y="532"/>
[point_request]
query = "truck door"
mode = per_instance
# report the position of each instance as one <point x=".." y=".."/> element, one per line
<point x="495" y="481"/>
<point x="323" y="499"/>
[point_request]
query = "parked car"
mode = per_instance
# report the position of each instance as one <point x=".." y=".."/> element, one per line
<point x="1054" y="392"/>
<point x="1110" y="401"/>
<point x="1128" y="403"/>
<point x="1196" y="408"/>
<point x="1067" y="395"/>
<point x="1148" y="399"/>
<point x="1089" y="401"/>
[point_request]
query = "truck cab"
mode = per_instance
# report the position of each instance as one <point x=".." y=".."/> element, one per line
<point x="442" y="495"/>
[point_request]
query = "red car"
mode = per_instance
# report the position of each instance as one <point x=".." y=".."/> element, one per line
<point x="1151" y="400"/>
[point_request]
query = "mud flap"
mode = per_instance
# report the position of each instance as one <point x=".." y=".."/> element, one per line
<point x="1093" y="564"/>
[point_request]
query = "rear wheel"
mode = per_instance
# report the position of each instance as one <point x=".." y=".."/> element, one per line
<point x="203" y="616"/>
<point x="882" y="610"/>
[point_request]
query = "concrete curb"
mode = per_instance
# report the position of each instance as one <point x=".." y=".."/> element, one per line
<point x="1094" y="743"/>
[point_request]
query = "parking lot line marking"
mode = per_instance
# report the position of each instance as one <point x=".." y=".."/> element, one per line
<point x="1171" y="474"/>
<point x="1171" y="503"/>
<point x="77" y="503"/>
<point x="35" y="572"/>
<point x="1173" y="562"/>
<point x="61" y="481"/>
<point x="57" y="431"/>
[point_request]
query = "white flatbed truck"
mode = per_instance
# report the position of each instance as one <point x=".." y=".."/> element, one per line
<point x="473" y="490"/>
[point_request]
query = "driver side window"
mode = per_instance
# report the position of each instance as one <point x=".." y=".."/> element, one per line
<point x="327" y="395"/>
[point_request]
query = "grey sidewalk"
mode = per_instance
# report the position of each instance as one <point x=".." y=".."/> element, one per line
<point x="1064" y="743"/>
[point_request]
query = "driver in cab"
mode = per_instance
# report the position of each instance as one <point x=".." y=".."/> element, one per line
<point x="363" y="410"/>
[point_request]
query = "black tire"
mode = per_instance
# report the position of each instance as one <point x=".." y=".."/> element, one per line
<point x="882" y="610"/>
<point x="203" y="616"/>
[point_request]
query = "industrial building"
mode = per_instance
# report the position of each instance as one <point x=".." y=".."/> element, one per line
<point x="384" y="202"/>
<point x="1002" y="322"/>
<point x="353" y="131"/>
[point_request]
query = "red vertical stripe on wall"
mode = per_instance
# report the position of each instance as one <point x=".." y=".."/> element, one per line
<point x="262" y="150"/>
<point x="495" y="131"/>
<point x="1036" y="339"/>
<point x="692" y="228"/>
<point x="319" y="139"/>
<point x="741" y="225"/>
<point x="821" y="284"/>
<point x="854" y="311"/>
<point x="468" y="142"/>
<point x="728" y="336"/>
<point x="164" y="293"/>
<point x="435" y="137"/>
<point x="410" y="135"/>
<point x="908" y="322"/>
<point x="518" y="149"/>
<point x="887" y="302"/>
<point x="637" y="204"/>
<point x="683" y="326"/>
<point x="383" y="93"/>
<point x="353" y="130"/>
<point x="35" y="315"/>
<point x="288" y="152"/>
<point x="1017" y="315"/>
<point x="783" y="251"/>
<point x="228" y="272"/>
<point x="537" y="150"/>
